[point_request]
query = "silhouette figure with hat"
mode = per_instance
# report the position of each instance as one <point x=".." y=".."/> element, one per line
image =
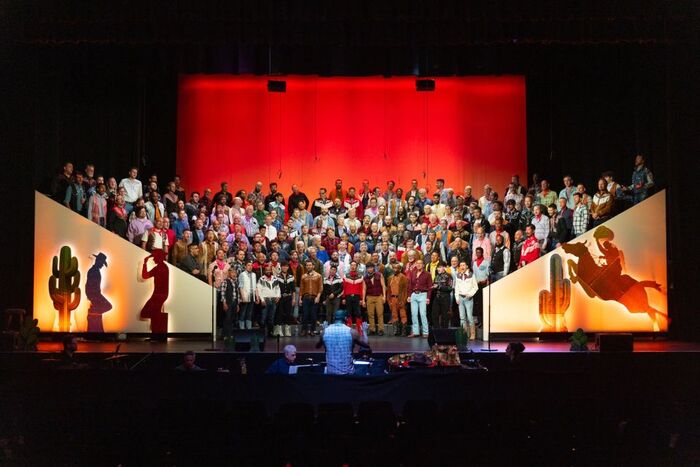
<point x="93" y="290"/>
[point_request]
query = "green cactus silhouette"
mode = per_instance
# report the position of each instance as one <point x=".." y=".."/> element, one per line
<point x="555" y="302"/>
<point x="63" y="284"/>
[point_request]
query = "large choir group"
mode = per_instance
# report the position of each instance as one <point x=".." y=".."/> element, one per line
<point x="422" y="256"/>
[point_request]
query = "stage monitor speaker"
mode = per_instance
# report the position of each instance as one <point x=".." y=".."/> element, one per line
<point x="244" y="337"/>
<point x="614" y="342"/>
<point x="276" y="86"/>
<point x="442" y="337"/>
<point x="425" y="85"/>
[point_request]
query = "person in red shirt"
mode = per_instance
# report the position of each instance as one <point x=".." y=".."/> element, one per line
<point x="330" y="242"/>
<point x="338" y="191"/>
<point x="353" y="202"/>
<point x="353" y="284"/>
<point x="419" y="286"/>
<point x="530" y="250"/>
<point x="169" y="232"/>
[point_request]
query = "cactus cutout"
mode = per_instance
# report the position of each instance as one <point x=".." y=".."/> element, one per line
<point x="63" y="286"/>
<point x="555" y="302"/>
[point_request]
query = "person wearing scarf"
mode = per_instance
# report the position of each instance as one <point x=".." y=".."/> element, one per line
<point x="97" y="206"/>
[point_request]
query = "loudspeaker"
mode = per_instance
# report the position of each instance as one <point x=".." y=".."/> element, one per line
<point x="442" y="337"/>
<point x="425" y="85"/>
<point x="276" y="86"/>
<point x="614" y="342"/>
<point x="244" y="337"/>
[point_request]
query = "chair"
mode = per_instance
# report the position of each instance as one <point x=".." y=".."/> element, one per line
<point x="12" y="322"/>
<point x="335" y="419"/>
<point x="377" y="416"/>
<point x="292" y="428"/>
<point x="419" y="413"/>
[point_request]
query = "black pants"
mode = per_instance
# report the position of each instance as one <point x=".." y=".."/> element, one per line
<point x="352" y="306"/>
<point x="230" y="318"/>
<point x="440" y="311"/>
<point x="284" y="311"/>
<point x="479" y="303"/>
<point x="219" y="309"/>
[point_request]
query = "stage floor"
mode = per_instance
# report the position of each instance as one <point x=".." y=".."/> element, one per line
<point x="385" y="344"/>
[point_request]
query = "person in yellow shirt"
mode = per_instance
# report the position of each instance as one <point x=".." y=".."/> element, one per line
<point x="432" y="266"/>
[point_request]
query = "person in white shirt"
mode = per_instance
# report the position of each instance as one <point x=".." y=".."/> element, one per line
<point x="270" y="230"/>
<point x="247" y="285"/>
<point x="465" y="289"/>
<point x="133" y="187"/>
<point x="326" y="220"/>
<point x="513" y="194"/>
<point x="156" y="238"/>
<point x="486" y="199"/>
<point x="541" y="223"/>
<point x="269" y="293"/>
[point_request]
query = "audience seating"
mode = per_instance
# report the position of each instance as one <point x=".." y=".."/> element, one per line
<point x="193" y="431"/>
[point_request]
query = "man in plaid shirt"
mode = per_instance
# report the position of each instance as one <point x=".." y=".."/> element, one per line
<point x="580" y="216"/>
<point x="339" y="341"/>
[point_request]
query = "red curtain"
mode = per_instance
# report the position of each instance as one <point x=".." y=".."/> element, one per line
<point x="469" y="131"/>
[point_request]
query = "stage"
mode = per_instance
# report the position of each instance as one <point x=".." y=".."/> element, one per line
<point x="384" y="344"/>
<point x="139" y="353"/>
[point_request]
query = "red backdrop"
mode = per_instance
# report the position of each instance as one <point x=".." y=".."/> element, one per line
<point x="468" y="131"/>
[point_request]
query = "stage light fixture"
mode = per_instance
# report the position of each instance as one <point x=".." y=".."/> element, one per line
<point x="276" y="86"/>
<point x="425" y="85"/>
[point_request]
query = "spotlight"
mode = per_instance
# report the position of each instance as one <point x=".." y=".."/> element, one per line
<point x="276" y="86"/>
<point x="425" y="85"/>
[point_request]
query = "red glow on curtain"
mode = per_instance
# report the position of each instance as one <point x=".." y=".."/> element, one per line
<point x="469" y="131"/>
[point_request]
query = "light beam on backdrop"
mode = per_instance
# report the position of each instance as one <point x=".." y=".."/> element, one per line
<point x="320" y="129"/>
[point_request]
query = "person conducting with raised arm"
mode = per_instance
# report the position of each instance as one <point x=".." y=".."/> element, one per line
<point x="339" y="341"/>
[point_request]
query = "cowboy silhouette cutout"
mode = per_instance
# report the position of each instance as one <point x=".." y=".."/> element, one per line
<point x="153" y="309"/>
<point x="605" y="277"/>
<point x="93" y="290"/>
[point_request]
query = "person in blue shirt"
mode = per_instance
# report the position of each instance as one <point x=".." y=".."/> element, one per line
<point x="282" y="364"/>
<point x="75" y="195"/>
<point x="181" y="224"/>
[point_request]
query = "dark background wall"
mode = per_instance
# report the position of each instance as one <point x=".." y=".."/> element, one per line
<point x="92" y="82"/>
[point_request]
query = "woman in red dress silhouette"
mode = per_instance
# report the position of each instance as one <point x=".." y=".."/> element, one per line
<point x="153" y="309"/>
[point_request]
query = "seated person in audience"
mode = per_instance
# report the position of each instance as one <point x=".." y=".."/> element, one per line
<point x="68" y="357"/>
<point x="281" y="365"/>
<point x="188" y="362"/>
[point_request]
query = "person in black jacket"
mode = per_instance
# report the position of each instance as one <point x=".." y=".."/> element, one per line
<point x="559" y="227"/>
<point x="442" y="295"/>
<point x="332" y="292"/>
<point x="283" y="317"/>
<point x="230" y="297"/>
<point x="191" y="264"/>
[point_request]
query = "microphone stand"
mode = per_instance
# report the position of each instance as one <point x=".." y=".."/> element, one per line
<point x="213" y="347"/>
<point x="145" y="357"/>
<point x="488" y="348"/>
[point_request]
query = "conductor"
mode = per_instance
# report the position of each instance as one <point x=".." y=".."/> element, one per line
<point x="339" y="341"/>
